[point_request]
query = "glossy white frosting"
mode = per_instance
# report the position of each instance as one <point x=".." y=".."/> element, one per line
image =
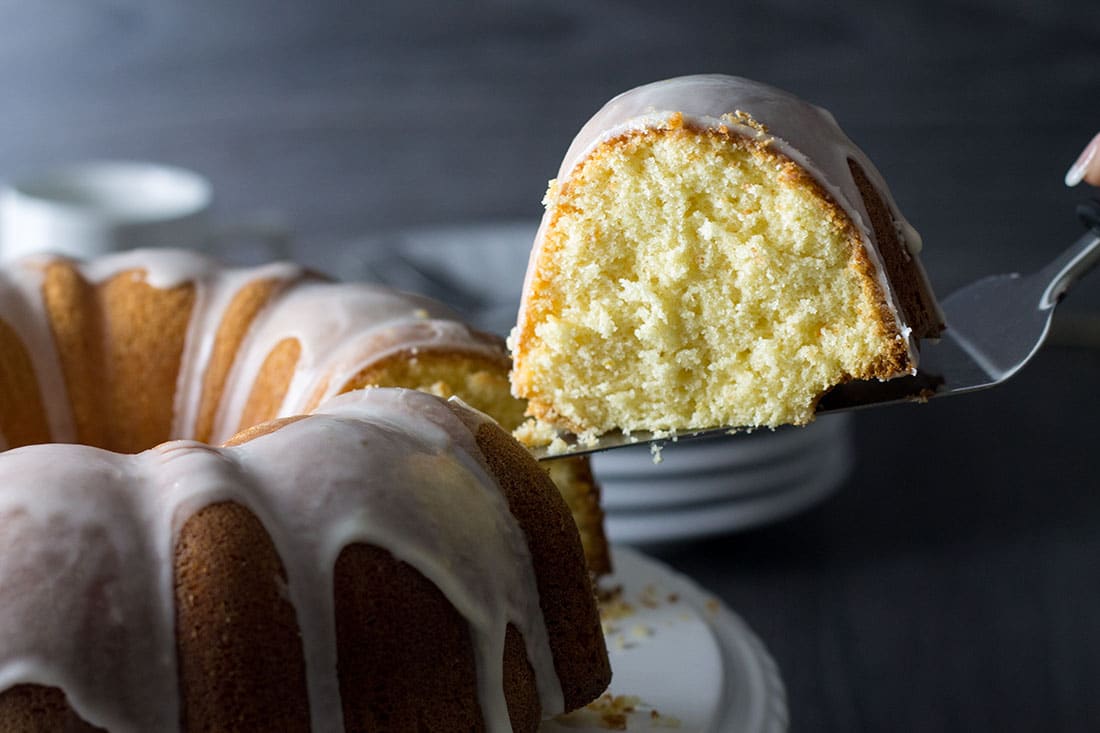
<point x="120" y="513"/>
<point x="22" y="309"/>
<point x="86" y="602"/>
<point x="803" y="132"/>
<point x="341" y="329"/>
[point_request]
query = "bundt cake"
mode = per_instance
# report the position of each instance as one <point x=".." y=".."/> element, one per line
<point x="133" y="349"/>
<point x="390" y="562"/>
<point x="714" y="252"/>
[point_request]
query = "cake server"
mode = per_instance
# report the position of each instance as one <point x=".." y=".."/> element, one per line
<point x="994" y="327"/>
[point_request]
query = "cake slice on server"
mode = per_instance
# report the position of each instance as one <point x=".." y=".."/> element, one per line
<point x="714" y="252"/>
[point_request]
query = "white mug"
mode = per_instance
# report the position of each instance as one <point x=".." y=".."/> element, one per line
<point x="91" y="208"/>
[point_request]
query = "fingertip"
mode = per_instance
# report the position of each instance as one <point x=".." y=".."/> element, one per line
<point x="1087" y="166"/>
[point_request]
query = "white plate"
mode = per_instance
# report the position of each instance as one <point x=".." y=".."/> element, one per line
<point x="681" y="490"/>
<point x="691" y="660"/>
<point x="723" y="452"/>
<point x="714" y="518"/>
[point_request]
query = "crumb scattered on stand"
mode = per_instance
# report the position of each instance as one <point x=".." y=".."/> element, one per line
<point x="655" y="451"/>
<point x="614" y="712"/>
<point x="608" y="593"/>
<point x="615" y="608"/>
<point x="651" y="596"/>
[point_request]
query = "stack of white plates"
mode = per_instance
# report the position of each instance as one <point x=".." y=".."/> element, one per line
<point x="717" y="485"/>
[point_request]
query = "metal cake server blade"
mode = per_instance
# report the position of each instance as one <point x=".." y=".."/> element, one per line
<point x="994" y="327"/>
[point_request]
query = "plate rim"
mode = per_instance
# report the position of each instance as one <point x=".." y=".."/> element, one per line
<point x="732" y="634"/>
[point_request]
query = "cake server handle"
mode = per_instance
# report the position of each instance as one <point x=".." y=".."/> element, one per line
<point x="1075" y="262"/>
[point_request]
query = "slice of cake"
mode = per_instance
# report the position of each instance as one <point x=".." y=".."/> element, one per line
<point x="714" y="252"/>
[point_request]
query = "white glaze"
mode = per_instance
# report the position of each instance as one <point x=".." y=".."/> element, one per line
<point x="214" y="295"/>
<point x="341" y="328"/>
<point x="215" y="287"/>
<point x="120" y="515"/>
<point x="21" y="307"/>
<point x="805" y="133"/>
<point x="123" y="512"/>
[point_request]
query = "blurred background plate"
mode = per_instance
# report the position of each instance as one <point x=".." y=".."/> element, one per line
<point x="476" y="268"/>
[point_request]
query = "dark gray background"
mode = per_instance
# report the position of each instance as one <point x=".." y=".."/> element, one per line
<point x="954" y="584"/>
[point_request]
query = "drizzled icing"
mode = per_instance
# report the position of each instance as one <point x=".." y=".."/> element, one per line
<point x="22" y="309"/>
<point x="120" y="514"/>
<point x="803" y="132"/>
<point x="341" y="328"/>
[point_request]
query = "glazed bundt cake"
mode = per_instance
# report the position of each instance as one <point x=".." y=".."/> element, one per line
<point x="133" y="349"/>
<point x="714" y="252"/>
<point x="390" y="562"/>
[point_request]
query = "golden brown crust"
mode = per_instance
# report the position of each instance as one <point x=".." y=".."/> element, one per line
<point x="271" y="384"/>
<point x="581" y="492"/>
<point x="566" y="593"/>
<point x="22" y="414"/>
<point x="240" y="655"/>
<point x="257" y="431"/>
<point x="120" y="346"/>
<point x="914" y="297"/>
<point x="242" y="310"/>
<point x="377" y="595"/>
<point x="520" y="687"/>
<point x="373" y="590"/>
<point x="39" y="709"/>
<point x="71" y="305"/>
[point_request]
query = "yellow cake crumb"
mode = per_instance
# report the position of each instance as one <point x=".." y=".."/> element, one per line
<point x="614" y="712"/>
<point x="692" y="279"/>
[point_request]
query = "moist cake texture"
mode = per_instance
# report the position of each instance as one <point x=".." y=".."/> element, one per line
<point x="714" y="252"/>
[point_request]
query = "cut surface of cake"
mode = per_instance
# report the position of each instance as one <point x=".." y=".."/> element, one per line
<point x="136" y="348"/>
<point x="390" y="562"/>
<point x="714" y="252"/>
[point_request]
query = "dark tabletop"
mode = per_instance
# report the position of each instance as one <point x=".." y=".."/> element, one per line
<point x="954" y="582"/>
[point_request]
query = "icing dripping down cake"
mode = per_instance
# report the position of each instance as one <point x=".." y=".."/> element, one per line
<point x="133" y="349"/>
<point x="389" y="562"/>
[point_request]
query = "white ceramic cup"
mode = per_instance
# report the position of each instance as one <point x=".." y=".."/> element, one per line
<point x="91" y="208"/>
